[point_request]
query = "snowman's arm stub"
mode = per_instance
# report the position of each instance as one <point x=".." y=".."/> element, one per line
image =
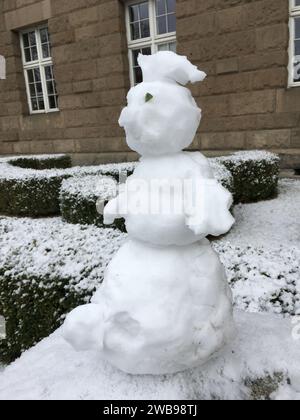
<point x="202" y="167"/>
<point x="208" y="212"/>
<point x="115" y="209"/>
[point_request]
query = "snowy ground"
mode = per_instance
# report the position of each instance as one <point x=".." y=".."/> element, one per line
<point x="53" y="370"/>
<point x="261" y="255"/>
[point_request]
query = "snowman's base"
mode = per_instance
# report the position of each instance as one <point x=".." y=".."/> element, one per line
<point x="264" y="346"/>
<point x="160" y="310"/>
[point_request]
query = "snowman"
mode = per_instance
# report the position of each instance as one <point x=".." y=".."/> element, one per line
<point x="165" y="305"/>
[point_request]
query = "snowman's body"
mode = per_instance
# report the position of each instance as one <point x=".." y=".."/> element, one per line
<point x="165" y="305"/>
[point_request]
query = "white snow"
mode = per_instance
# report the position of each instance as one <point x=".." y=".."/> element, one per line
<point x="262" y="253"/>
<point x="8" y="171"/>
<point x="165" y="305"/>
<point x="90" y="187"/>
<point x="264" y="344"/>
<point x="53" y="370"/>
<point x="52" y="249"/>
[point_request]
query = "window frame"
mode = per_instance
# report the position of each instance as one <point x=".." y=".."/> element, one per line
<point x="40" y="63"/>
<point x="294" y="13"/>
<point x="153" y="41"/>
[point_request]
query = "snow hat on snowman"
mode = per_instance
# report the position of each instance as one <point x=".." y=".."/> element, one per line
<point x="161" y="116"/>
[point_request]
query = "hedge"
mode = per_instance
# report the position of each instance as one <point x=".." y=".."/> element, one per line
<point x="41" y="162"/>
<point x="47" y="268"/>
<point x="35" y="192"/>
<point x="79" y="197"/>
<point x="255" y="175"/>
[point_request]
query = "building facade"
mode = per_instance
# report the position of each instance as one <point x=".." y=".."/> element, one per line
<point x="70" y="63"/>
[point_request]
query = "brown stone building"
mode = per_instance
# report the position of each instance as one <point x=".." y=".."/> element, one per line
<point x="71" y="62"/>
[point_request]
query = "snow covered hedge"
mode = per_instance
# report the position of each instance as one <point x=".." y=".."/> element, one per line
<point x="35" y="192"/>
<point x="47" y="268"/>
<point x="255" y="175"/>
<point x="79" y="196"/>
<point x="29" y="188"/>
<point x="81" y="199"/>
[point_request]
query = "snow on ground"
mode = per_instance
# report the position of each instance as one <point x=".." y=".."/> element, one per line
<point x="52" y="249"/>
<point x="261" y="255"/>
<point x="53" y="370"/>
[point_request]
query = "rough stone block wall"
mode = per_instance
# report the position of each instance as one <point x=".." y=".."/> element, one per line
<point x="89" y="53"/>
<point x="243" y="46"/>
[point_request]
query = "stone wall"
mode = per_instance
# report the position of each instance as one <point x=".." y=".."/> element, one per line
<point x="241" y="44"/>
<point x="91" y="70"/>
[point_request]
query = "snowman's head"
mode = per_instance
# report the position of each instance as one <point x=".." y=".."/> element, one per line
<point x="161" y="116"/>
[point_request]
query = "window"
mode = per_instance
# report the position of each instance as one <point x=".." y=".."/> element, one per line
<point x="294" y="64"/>
<point x="38" y="70"/>
<point x="151" y="27"/>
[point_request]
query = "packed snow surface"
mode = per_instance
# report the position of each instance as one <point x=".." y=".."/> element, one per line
<point x="264" y="343"/>
<point x="54" y="370"/>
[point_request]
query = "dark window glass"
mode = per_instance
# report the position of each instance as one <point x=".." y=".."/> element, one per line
<point x="45" y="50"/>
<point x="297" y="2"/>
<point x="32" y="39"/>
<point x="160" y="7"/>
<point x="144" y="11"/>
<point x="41" y="102"/>
<point x="52" y="102"/>
<point x="37" y="75"/>
<point x="34" y="54"/>
<point x="30" y="76"/>
<point x="25" y="40"/>
<point x="297" y="28"/>
<point x="134" y="13"/>
<point x="171" y="6"/>
<point x="39" y="89"/>
<point x="44" y="35"/>
<point x="32" y="89"/>
<point x="34" y="104"/>
<point x="27" y="54"/>
<point x="145" y="29"/>
<point x="161" y="25"/>
<point x="135" y="31"/>
<point x="138" y="76"/>
<point x="171" y="23"/>
<point x="50" y="88"/>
